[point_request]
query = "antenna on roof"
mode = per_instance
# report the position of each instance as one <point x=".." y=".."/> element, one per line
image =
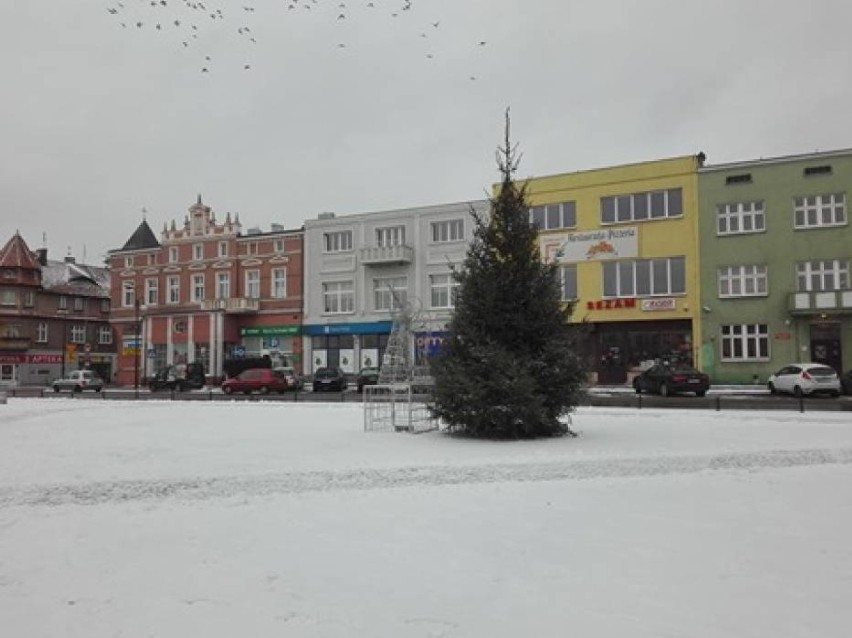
<point x="144" y="214"/>
<point x="44" y="239"/>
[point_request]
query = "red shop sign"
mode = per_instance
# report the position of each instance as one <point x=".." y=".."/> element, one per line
<point x="610" y="304"/>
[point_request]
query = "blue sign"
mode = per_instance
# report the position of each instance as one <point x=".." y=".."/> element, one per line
<point x="152" y="353"/>
<point x="374" y="328"/>
<point x="239" y="352"/>
<point x="273" y="343"/>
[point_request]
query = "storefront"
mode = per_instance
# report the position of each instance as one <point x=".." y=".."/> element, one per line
<point x="349" y="347"/>
<point x="621" y="349"/>
<point x="282" y="340"/>
<point x="30" y="368"/>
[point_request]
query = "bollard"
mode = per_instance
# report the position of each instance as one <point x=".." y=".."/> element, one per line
<point x="639" y="396"/>
<point x="802" y="403"/>
<point x="718" y="403"/>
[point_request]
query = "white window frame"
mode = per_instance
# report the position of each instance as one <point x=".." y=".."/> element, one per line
<point x="172" y="289"/>
<point x="78" y="333"/>
<point x="744" y="342"/>
<point x="819" y="211"/>
<point x="338" y="241"/>
<point x="173" y="254"/>
<point x="338" y="297"/>
<point x="748" y="280"/>
<point x="390" y="236"/>
<point x="565" y="214"/>
<point x="278" y="245"/>
<point x="443" y="288"/>
<point x="8" y="297"/>
<point x="152" y="291"/>
<point x="199" y="281"/>
<point x="223" y="285"/>
<point x="253" y="284"/>
<point x="42" y="332"/>
<point x="223" y="249"/>
<point x="740" y="218"/>
<point x="197" y="252"/>
<point x="128" y="261"/>
<point x="629" y="273"/>
<point x="568" y="282"/>
<point x="29" y="299"/>
<point x="278" y="283"/>
<point x="625" y="209"/>
<point x="78" y="304"/>
<point x="445" y="231"/>
<point x="383" y="300"/>
<point x="104" y="335"/>
<point x="821" y="275"/>
<point x="128" y="295"/>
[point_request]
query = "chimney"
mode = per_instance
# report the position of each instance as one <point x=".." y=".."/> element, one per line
<point x="41" y="255"/>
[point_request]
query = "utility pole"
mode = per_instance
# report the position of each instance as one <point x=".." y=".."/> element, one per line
<point x="137" y="340"/>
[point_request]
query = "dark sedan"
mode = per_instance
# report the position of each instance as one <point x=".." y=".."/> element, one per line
<point x="665" y="380"/>
<point x="329" y="379"/>
<point x="367" y="376"/>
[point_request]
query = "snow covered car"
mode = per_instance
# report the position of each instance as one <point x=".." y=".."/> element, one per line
<point x="801" y="379"/>
<point x="79" y="380"/>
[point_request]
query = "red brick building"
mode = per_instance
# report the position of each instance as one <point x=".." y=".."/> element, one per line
<point x="54" y="316"/>
<point x="205" y="292"/>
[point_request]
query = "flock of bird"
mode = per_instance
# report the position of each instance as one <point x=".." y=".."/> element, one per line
<point x="189" y="20"/>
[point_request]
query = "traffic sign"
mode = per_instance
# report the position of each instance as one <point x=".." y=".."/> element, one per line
<point x="239" y="352"/>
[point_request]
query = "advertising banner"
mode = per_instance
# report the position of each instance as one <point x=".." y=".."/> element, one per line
<point x="606" y="243"/>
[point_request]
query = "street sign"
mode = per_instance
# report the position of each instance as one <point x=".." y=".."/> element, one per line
<point x="152" y="353"/>
<point x="239" y="352"/>
<point x="273" y="342"/>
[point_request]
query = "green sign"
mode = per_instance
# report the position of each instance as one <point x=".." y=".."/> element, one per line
<point x="270" y="331"/>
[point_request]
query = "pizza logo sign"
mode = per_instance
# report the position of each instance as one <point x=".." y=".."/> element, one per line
<point x="603" y="247"/>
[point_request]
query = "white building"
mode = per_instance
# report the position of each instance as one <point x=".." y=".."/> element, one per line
<point x="353" y="262"/>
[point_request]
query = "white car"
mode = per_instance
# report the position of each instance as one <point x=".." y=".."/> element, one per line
<point x="802" y="379"/>
<point x="79" y="380"/>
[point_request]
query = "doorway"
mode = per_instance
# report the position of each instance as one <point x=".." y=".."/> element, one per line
<point x="825" y="345"/>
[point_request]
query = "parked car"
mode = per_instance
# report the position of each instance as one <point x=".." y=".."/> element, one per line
<point x="672" y="379"/>
<point x="79" y="380"/>
<point x="178" y="377"/>
<point x="263" y="380"/>
<point x="367" y="376"/>
<point x="329" y="379"/>
<point x="801" y="379"/>
<point x="294" y="380"/>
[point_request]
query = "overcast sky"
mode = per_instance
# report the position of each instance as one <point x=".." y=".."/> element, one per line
<point x="386" y="107"/>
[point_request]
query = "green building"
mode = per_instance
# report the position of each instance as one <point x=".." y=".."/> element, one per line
<point x="774" y="245"/>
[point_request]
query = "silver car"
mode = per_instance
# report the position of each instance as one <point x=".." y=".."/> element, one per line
<point x="79" y="380"/>
<point x="801" y="379"/>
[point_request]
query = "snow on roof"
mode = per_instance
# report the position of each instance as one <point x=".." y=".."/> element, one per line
<point x="73" y="278"/>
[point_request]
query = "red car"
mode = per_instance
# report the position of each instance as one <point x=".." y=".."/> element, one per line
<point x="263" y="380"/>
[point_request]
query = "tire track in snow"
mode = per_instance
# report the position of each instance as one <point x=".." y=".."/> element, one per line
<point x="116" y="492"/>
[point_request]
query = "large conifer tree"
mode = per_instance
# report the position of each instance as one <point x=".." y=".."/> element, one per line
<point x="512" y="366"/>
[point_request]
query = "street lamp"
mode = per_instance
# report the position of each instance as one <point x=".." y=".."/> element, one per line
<point x="136" y="349"/>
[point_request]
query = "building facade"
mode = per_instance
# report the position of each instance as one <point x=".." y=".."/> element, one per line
<point x="360" y="268"/>
<point x="54" y="317"/>
<point x="206" y="292"/>
<point x="625" y="241"/>
<point x="775" y="244"/>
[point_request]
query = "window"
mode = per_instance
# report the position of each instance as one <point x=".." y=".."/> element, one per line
<point x="745" y="342"/>
<point x="10" y="330"/>
<point x="444" y="289"/>
<point x="815" y="211"/>
<point x="390" y="293"/>
<point x="568" y="282"/>
<point x="338" y="297"/>
<point x="41" y="332"/>
<point x="29" y="299"/>
<point x="817" y="170"/>
<point x="152" y="259"/>
<point x="172" y="289"/>
<point x="745" y="178"/>
<point x="104" y="305"/>
<point x="78" y="304"/>
<point x="738" y="218"/>
<point x="390" y="236"/>
<point x="197" y="252"/>
<point x="279" y="283"/>
<point x="817" y="276"/>
<point x="223" y="249"/>
<point x="250" y="248"/>
<point x="337" y="242"/>
<point x="642" y="206"/>
<point x="451" y="230"/>
<point x="152" y="291"/>
<point x="278" y="245"/>
<point x="223" y="285"/>
<point x="742" y="281"/>
<point x="198" y="287"/>
<point x="104" y="335"/>
<point x="78" y="333"/>
<point x="173" y="255"/>
<point x="128" y="294"/>
<point x="550" y="216"/>
<point x="8" y="297"/>
<point x="644" y="277"/>
<point x="128" y="261"/>
<point x="253" y="284"/>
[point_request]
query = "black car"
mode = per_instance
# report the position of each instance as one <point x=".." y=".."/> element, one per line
<point x="367" y="376"/>
<point x="666" y="379"/>
<point x="178" y="377"/>
<point x="329" y="379"/>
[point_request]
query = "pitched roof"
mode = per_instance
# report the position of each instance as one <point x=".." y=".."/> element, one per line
<point x="16" y="254"/>
<point x="143" y="237"/>
<point x="70" y="278"/>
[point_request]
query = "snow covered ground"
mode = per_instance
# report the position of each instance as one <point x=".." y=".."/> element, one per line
<point x="278" y="519"/>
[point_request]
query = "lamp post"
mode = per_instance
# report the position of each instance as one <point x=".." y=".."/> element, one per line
<point x="137" y="340"/>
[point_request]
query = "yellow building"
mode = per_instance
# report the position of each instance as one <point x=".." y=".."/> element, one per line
<point x="625" y="239"/>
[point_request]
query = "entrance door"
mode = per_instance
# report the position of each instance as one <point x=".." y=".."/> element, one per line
<point x="8" y="373"/>
<point x="825" y="345"/>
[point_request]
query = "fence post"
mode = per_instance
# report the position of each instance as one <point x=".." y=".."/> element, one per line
<point x="639" y="397"/>
<point x="718" y="403"/>
<point x="802" y="403"/>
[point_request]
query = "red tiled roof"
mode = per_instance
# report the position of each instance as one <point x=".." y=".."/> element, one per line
<point x="16" y="254"/>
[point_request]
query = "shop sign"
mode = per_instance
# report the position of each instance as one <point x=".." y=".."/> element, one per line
<point x="653" y="305"/>
<point x="374" y="328"/>
<point x="38" y="359"/>
<point x="269" y="331"/>
<point x="782" y="336"/>
<point x="611" y="304"/>
<point x="594" y="245"/>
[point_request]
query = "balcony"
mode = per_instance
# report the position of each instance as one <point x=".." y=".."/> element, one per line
<point x="814" y="303"/>
<point x="386" y="255"/>
<point x="232" y="305"/>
